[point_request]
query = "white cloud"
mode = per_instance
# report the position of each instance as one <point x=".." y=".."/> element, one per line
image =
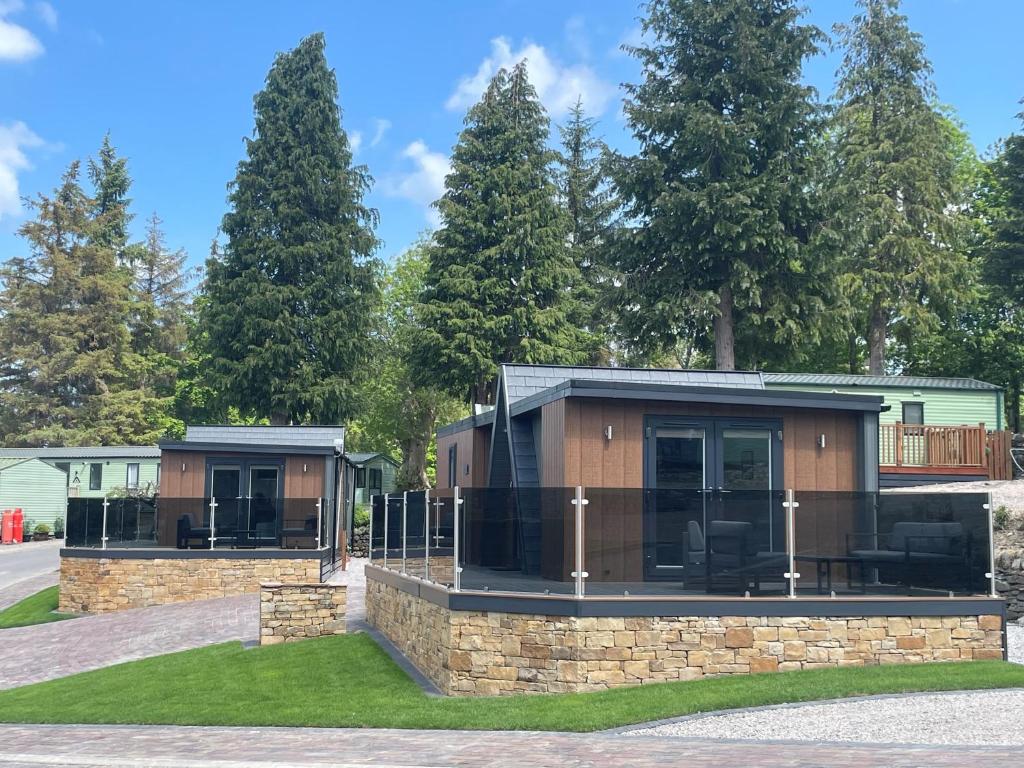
<point x="425" y="183"/>
<point x="355" y="141"/>
<point x="16" y="42"/>
<point x="15" y="138"/>
<point x="382" y="126"/>
<point x="558" y="85"/>
<point x="48" y="14"/>
<point x="576" y="36"/>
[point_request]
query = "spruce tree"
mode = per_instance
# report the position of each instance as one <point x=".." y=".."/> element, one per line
<point x="290" y="303"/>
<point x="499" y="284"/>
<point x="720" y="217"/>
<point x="591" y="206"/>
<point x="111" y="183"/>
<point x="67" y="369"/>
<point x="894" y="181"/>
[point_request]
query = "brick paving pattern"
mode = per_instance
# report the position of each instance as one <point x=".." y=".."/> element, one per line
<point x="91" y="642"/>
<point x="26" y="588"/>
<point x="171" y="747"/>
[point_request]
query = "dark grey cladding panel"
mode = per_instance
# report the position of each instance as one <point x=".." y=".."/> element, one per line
<point x="527" y="380"/>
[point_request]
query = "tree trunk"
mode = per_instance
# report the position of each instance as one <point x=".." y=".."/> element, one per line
<point x="412" y="475"/>
<point x="878" y="328"/>
<point x="279" y="419"/>
<point x="481" y="393"/>
<point x="725" y="340"/>
<point x="1013" y="415"/>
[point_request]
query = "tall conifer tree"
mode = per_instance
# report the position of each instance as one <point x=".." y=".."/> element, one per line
<point x="719" y="191"/>
<point x="894" y="181"/>
<point x="291" y="301"/>
<point x="499" y="284"/>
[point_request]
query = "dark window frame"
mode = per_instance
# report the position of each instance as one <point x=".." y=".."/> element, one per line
<point x="95" y="475"/>
<point x="913" y="404"/>
<point x="453" y="465"/>
<point x="128" y="474"/>
<point x="360" y="477"/>
<point x="378" y="475"/>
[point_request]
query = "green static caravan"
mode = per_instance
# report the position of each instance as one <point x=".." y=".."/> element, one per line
<point x="911" y="399"/>
<point x="34" y="486"/>
<point x="932" y="429"/>
<point x="84" y="471"/>
<point x="375" y="474"/>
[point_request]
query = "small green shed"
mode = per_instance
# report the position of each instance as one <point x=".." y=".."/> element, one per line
<point x="375" y="474"/>
<point x="35" y="486"/>
<point x="939" y="401"/>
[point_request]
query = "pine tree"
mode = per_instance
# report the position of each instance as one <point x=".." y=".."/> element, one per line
<point x="591" y="207"/>
<point x="162" y="284"/>
<point x="895" y="180"/>
<point x="66" y="363"/>
<point x="111" y="182"/>
<point x="290" y="302"/>
<point x="499" y="284"/>
<point x="721" y="218"/>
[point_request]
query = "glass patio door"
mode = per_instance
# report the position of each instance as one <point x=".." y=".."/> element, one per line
<point x="264" y="502"/>
<point x="746" y="479"/>
<point x="226" y="487"/>
<point x="676" y="483"/>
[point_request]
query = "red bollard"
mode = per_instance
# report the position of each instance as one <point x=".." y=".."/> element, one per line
<point x="19" y="526"/>
<point x="7" y="527"/>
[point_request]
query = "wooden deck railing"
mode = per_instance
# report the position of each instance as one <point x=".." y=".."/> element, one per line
<point x="926" y="445"/>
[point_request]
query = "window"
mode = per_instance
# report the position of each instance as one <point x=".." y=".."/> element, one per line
<point x="95" y="477"/>
<point x="453" y="466"/>
<point x="360" y="477"/>
<point x="376" y="480"/>
<point x="158" y="476"/>
<point x="132" y="476"/>
<point x="913" y="413"/>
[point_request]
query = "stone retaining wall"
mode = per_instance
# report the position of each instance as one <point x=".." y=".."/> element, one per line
<point x="290" y="612"/>
<point x="490" y="653"/>
<point x="102" y="584"/>
<point x="1010" y="581"/>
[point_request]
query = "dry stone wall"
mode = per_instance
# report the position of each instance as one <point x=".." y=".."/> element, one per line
<point x="290" y="612"/>
<point x="101" y="584"/>
<point x="1010" y="581"/>
<point x="491" y="653"/>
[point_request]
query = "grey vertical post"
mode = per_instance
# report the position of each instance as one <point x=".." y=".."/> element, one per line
<point x="791" y="504"/>
<point x="426" y="535"/>
<point x="213" y="522"/>
<point x="103" y="536"/>
<point x="456" y="540"/>
<point x="405" y="529"/>
<point x="385" y="529"/>
<point x="579" y="573"/>
<point x="991" y="575"/>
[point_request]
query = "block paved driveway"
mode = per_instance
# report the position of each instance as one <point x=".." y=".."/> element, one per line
<point x="174" y="747"/>
<point x="91" y="642"/>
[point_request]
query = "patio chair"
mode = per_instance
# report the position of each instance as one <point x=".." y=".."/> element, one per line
<point x="187" y="533"/>
<point x="732" y="552"/>
<point x="307" y="531"/>
<point x="916" y="551"/>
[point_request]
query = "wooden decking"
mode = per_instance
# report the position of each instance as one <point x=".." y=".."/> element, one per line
<point x="923" y="449"/>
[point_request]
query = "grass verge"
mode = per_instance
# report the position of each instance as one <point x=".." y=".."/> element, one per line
<point x="37" y="609"/>
<point x="348" y="681"/>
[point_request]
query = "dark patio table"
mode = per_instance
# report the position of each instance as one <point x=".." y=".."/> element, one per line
<point x="823" y="570"/>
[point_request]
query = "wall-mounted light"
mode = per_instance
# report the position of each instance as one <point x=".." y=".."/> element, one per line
<point x="608" y="432"/>
<point x="183" y="467"/>
<point x="821" y="440"/>
<point x="305" y="468"/>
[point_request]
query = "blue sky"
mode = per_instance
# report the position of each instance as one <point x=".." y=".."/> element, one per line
<point x="173" y="83"/>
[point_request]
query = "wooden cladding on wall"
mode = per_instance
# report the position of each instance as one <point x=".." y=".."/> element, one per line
<point x="591" y="460"/>
<point x="304" y="477"/>
<point x="473" y="446"/>
<point x="182" y="475"/>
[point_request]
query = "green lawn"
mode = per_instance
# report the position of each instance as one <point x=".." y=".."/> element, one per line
<point x="38" y="609"/>
<point x="348" y="681"/>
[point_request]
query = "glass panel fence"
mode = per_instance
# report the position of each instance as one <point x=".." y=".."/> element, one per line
<point x="376" y="545"/>
<point x="891" y="543"/>
<point x="416" y="510"/>
<point x="185" y="523"/>
<point x="440" y="561"/>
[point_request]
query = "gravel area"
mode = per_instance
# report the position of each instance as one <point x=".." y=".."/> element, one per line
<point x="963" y="718"/>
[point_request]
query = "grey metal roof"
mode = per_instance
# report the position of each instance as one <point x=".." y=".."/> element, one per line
<point x="526" y="380"/>
<point x="365" y="456"/>
<point x="85" y="452"/>
<point x="318" y="437"/>
<point x="855" y="380"/>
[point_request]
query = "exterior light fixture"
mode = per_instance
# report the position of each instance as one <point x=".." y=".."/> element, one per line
<point x="183" y="467"/>
<point x="821" y="440"/>
<point x="608" y="432"/>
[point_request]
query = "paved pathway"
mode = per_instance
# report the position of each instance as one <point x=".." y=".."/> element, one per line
<point x="22" y="561"/>
<point x="91" y="642"/>
<point x="18" y="591"/>
<point x="174" y="747"/>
